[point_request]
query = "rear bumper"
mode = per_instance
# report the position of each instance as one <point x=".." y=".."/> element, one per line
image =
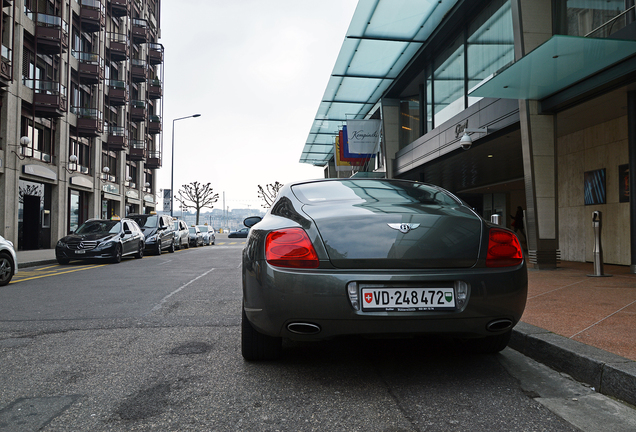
<point x="275" y="298"/>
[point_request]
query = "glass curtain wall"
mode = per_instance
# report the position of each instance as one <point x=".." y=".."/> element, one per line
<point x="410" y="119"/>
<point x="594" y="18"/>
<point x="482" y="48"/>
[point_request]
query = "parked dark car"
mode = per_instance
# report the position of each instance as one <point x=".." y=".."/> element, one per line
<point x="209" y="236"/>
<point x="8" y="261"/>
<point x="195" y="236"/>
<point x="159" y="232"/>
<point x="377" y="258"/>
<point x="181" y="234"/>
<point x="109" y="239"/>
<point x="242" y="233"/>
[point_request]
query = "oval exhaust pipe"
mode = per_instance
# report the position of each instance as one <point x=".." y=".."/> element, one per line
<point x="499" y="325"/>
<point x="303" y="328"/>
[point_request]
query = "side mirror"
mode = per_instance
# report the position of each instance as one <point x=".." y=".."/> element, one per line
<point x="251" y="221"/>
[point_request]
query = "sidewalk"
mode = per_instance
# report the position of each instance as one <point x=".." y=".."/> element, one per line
<point x="583" y="326"/>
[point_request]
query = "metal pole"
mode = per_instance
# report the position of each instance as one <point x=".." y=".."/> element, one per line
<point x="172" y="169"/>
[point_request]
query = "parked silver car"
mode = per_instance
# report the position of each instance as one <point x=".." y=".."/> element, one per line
<point x="8" y="261"/>
<point x="209" y="237"/>
<point x="181" y="234"/>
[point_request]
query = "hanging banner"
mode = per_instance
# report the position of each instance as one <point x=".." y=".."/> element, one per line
<point x="341" y="164"/>
<point x="363" y="137"/>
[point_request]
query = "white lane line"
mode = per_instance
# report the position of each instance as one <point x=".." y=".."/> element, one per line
<point x="165" y="299"/>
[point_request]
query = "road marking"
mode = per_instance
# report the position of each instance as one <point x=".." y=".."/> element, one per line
<point x="165" y="299"/>
<point x="54" y="273"/>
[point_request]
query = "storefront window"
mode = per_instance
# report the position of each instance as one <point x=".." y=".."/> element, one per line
<point x="74" y="210"/>
<point x="409" y="120"/>
<point x="490" y="43"/>
<point x="448" y="79"/>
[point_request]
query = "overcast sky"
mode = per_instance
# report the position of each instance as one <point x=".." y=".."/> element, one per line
<point x="256" y="71"/>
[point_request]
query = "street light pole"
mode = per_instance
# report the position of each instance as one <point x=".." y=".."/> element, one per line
<point x="172" y="157"/>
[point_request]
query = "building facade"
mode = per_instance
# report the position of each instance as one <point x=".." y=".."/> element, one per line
<point x="81" y="104"/>
<point x="545" y="89"/>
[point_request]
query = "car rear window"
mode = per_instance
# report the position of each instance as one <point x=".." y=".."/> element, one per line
<point x="372" y="191"/>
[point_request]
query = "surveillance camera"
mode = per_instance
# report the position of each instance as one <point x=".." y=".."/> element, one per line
<point x="466" y="142"/>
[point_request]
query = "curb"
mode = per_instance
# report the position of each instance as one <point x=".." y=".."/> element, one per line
<point x="35" y="263"/>
<point x="607" y="373"/>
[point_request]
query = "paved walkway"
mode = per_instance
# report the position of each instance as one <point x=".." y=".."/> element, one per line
<point x="584" y="326"/>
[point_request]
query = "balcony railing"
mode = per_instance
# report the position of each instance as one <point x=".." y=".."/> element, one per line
<point x="49" y="97"/>
<point x="6" y="71"/>
<point x="154" y="89"/>
<point x="119" y="46"/>
<point x="155" y="53"/>
<point x="138" y="70"/>
<point x="120" y="8"/>
<point x="138" y="110"/>
<point x="154" y="159"/>
<point x="139" y="30"/>
<point x="117" y="137"/>
<point x="91" y="67"/>
<point x="93" y="15"/>
<point x="137" y="149"/>
<point x="117" y="93"/>
<point x="90" y="121"/>
<point x="154" y="124"/>
<point x="51" y="33"/>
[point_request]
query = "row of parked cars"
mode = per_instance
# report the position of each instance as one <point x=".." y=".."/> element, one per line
<point x="135" y="235"/>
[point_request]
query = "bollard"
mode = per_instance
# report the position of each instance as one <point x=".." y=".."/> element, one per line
<point x="495" y="219"/>
<point x="598" y="248"/>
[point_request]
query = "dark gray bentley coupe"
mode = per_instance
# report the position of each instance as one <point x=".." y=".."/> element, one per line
<point x="377" y="258"/>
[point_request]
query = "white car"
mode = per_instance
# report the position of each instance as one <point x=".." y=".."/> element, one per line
<point x="8" y="261"/>
<point x="209" y="237"/>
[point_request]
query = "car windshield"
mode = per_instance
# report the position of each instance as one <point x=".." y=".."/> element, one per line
<point x="99" y="227"/>
<point x="203" y="229"/>
<point x="146" y="221"/>
<point x="372" y="191"/>
<point x="192" y="230"/>
<point x="176" y="225"/>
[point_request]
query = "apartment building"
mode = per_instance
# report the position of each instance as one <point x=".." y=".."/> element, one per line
<point x="81" y="104"/>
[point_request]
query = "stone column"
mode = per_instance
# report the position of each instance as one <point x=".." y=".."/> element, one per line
<point x="532" y="23"/>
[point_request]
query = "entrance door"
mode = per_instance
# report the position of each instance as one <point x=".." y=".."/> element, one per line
<point x="31" y="222"/>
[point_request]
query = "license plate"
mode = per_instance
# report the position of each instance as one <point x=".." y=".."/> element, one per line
<point x="407" y="299"/>
<point x="80" y="251"/>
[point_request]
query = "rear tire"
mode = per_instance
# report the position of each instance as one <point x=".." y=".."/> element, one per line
<point x="140" y="252"/>
<point x="171" y="250"/>
<point x="256" y="346"/>
<point x="158" y="251"/>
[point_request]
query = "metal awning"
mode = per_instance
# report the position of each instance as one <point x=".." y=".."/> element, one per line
<point x="553" y="66"/>
<point x="382" y="38"/>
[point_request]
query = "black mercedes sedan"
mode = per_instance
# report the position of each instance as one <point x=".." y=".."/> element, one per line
<point x="377" y="258"/>
<point x="109" y="239"/>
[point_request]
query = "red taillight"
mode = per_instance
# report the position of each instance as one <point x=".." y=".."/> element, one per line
<point x="290" y="247"/>
<point x="504" y="249"/>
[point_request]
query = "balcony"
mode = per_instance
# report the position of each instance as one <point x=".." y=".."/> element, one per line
<point x="49" y="97"/>
<point x="154" y="159"/>
<point x="154" y="124"/>
<point x="6" y="70"/>
<point x="138" y="70"/>
<point x="91" y="67"/>
<point x="92" y="15"/>
<point x="90" y="121"/>
<point x="117" y="93"/>
<point x="155" y="53"/>
<point x="51" y="33"/>
<point x="120" y="8"/>
<point x="138" y="111"/>
<point x="117" y="137"/>
<point x="154" y="89"/>
<point x="137" y="150"/>
<point x="119" y="46"/>
<point x="139" y="31"/>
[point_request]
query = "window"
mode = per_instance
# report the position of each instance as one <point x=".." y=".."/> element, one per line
<point x="593" y="18"/>
<point x="409" y="120"/>
<point x="448" y="76"/>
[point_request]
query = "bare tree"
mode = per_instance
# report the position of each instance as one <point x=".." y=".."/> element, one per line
<point x="268" y="193"/>
<point x="197" y="196"/>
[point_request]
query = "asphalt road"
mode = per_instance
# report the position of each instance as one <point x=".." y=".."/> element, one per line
<point x="154" y="345"/>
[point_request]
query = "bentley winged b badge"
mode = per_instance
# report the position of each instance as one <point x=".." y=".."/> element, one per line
<point x="404" y="227"/>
